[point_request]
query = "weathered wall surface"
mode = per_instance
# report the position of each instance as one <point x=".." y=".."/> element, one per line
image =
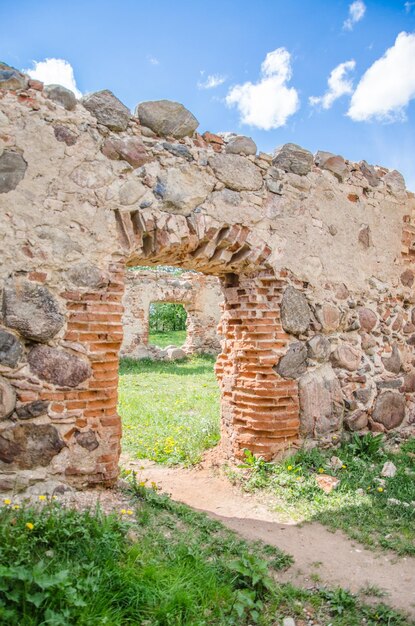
<point x="201" y="296"/>
<point x="315" y="256"/>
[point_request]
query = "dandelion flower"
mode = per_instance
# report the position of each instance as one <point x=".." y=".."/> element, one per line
<point x="344" y="466"/>
<point x="289" y="468"/>
<point x="321" y="470"/>
<point x="129" y="512"/>
<point x="142" y="484"/>
<point x="30" y="526"/>
<point x="123" y="511"/>
<point x="16" y="506"/>
<point x="7" y="501"/>
<point x="380" y="489"/>
<point x="42" y="498"/>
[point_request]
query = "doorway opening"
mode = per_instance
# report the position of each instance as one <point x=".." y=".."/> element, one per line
<point x="167" y="322"/>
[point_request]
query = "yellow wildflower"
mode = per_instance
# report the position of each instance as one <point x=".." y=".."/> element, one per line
<point x="142" y="484"/>
<point x="123" y="511"/>
<point x="380" y="489"/>
<point x="129" y="512"/>
<point x="42" y="498"/>
<point x="321" y="470"/>
<point x="16" y="506"/>
<point x="369" y="488"/>
<point x="7" y="501"/>
<point x="289" y="468"/>
<point x="344" y="466"/>
<point x="30" y="526"/>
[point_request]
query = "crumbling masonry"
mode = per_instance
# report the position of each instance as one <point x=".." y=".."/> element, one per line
<point x="315" y="257"/>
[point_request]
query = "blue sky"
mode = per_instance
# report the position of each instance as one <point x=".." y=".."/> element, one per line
<point x="146" y="50"/>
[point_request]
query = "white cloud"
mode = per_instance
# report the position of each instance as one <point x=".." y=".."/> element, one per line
<point x="212" y="81"/>
<point x="54" y="72"/>
<point x="338" y="85"/>
<point x="388" y="85"/>
<point x="409" y="6"/>
<point x="269" y="102"/>
<point x="356" y="12"/>
<point x="153" y="60"/>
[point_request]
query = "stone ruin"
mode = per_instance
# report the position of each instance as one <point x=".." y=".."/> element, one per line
<point x="201" y="296"/>
<point x="314" y="255"/>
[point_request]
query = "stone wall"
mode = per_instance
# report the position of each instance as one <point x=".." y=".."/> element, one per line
<point x="201" y="296"/>
<point x="314" y="254"/>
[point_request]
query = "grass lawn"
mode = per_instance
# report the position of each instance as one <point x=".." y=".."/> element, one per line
<point x="170" y="338"/>
<point x="379" y="512"/>
<point x="169" y="410"/>
<point x="165" y="566"/>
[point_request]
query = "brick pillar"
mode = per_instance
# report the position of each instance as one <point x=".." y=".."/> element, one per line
<point x="260" y="410"/>
<point x="95" y="321"/>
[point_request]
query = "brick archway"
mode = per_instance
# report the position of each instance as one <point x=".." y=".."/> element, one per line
<point x="259" y="409"/>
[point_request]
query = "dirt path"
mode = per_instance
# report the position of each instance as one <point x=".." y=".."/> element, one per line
<point x="333" y="557"/>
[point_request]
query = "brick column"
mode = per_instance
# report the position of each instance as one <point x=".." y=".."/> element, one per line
<point x="260" y="410"/>
<point x="95" y="321"/>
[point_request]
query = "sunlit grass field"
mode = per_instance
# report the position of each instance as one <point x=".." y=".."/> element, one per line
<point x="169" y="410"/>
<point x="168" y="338"/>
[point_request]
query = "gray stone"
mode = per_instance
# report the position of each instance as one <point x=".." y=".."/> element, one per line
<point x="63" y="134"/>
<point x="88" y="276"/>
<point x="241" y="145"/>
<point x="7" y="399"/>
<point x="11" y="349"/>
<point x="58" y="367"/>
<point x="364" y="237"/>
<point x="389" y="470"/>
<point x="12" y="79"/>
<point x="274" y="186"/>
<point x="167" y="118"/>
<point x="108" y="110"/>
<point x="319" y="348"/>
<point x="32" y="409"/>
<point x="178" y="150"/>
<point x="27" y="446"/>
<point x="347" y="357"/>
<point x="294" y="362"/>
<point x="393" y="363"/>
<point x="395" y="383"/>
<point x="333" y="163"/>
<point x="61" y="95"/>
<point x="288" y="621"/>
<point x="356" y="421"/>
<point x="184" y="188"/>
<point x="293" y="158"/>
<point x="87" y="439"/>
<point x="321" y="402"/>
<point x="295" y="312"/>
<point x="369" y="173"/>
<point x="174" y="353"/>
<point x="367" y="318"/>
<point x="12" y="170"/>
<point x="236" y="172"/>
<point x="32" y="310"/>
<point x="389" y="409"/>
<point x="395" y="181"/>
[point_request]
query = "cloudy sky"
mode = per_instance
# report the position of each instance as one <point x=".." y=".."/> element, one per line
<point x="327" y="74"/>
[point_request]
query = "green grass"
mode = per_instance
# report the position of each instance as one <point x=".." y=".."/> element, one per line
<point x="168" y="338"/>
<point x="359" y="506"/>
<point x="169" y="410"/>
<point x="171" y="566"/>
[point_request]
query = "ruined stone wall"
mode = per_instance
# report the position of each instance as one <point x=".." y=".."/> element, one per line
<point x="201" y="296"/>
<point x="315" y="256"/>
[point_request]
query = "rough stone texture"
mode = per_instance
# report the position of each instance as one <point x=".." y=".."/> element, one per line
<point x="295" y="312"/>
<point x="319" y="348"/>
<point x="368" y="319"/>
<point x="329" y="317"/>
<point x="321" y="402"/>
<point x="87" y="439"/>
<point x="86" y="275"/>
<point x="61" y="95"/>
<point x="7" y="399"/>
<point x="12" y="170"/>
<point x="32" y="409"/>
<point x="183" y="189"/>
<point x="393" y="363"/>
<point x="29" y="445"/>
<point x="32" y="310"/>
<point x="11" y="349"/>
<point x="167" y="118"/>
<point x="241" y="145"/>
<point x="293" y="158"/>
<point x="236" y="172"/>
<point x="347" y="357"/>
<point x="175" y="354"/>
<point x="357" y="420"/>
<point x="108" y="110"/>
<point x="200" y="295"/>
<point x="293" y="364"/>
<point x="58" y="367"/>
<point x="10" y="78"/>
<point x="333" y="163"/>
<point x="65" y="135"/>
<point x="130" y="149"/>
<point x="389" y="409"/>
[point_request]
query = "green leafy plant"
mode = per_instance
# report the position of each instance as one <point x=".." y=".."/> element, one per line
<point x="366" y="446"/>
